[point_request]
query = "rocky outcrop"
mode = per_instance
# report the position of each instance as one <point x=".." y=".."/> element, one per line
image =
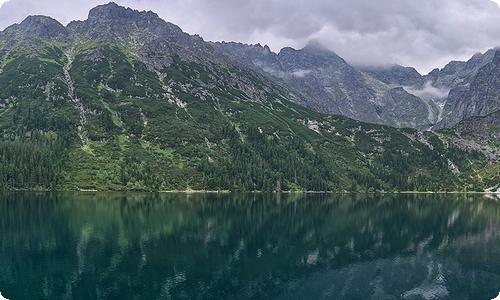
<point x="480" y="134"/>
<point x="483" y="129"/>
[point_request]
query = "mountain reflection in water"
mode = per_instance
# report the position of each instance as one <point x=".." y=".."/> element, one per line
<point x="248" y="246"/>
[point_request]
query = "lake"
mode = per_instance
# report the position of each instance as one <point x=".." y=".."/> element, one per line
<point x="248" y="246"/>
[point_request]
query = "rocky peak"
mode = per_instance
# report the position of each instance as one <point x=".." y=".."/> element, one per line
<point x="481" y="95"/>
<point x="467" y="84"/>
<point x="37" y="27"/>
<point x="253" y="55"/>
<point x="113" y="11"/>
<point x="313" y="55"/>
<point x="394" y="74"/>
<point x="240" y="47"/>
<point x="110" y="22"/>
<point x="316" y="46"/>
<point x="144" y="33"/>
<point x="479" y="59"/>
<point x="460" y="73"/>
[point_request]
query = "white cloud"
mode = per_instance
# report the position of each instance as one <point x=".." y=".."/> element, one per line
<point x="429" y="92"/>
<point x="497" y="298"/>
<point x="301" y="73"/>
<point x="2" y="298"/>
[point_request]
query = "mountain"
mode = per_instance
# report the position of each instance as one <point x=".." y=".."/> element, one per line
<point x="473" y="87"/>
<point x="394" y="75"/>
<point x="330" y="85"/>
<point x="127" y="101"/>
<point x="391" y="95"/>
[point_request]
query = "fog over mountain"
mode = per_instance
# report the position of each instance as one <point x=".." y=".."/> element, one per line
<point x="424" y="34"/>
<point x="429" y="91"/>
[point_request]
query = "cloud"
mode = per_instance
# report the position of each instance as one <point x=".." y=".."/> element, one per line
<point x="429" y="92"/>
<point x="424" y="34"/>
<point x="301" y="73"/>
<point x="2" y="298"/>
<point x="497" y="298"/>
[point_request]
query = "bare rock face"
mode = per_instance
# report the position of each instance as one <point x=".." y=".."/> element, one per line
<point x="483" y="129"/>
<point x="483" y="95"/>
<point x="459" y="78"/>
<point x="394" y="75"/>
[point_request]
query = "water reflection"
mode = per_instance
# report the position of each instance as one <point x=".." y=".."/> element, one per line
<point x="251" y="246"/>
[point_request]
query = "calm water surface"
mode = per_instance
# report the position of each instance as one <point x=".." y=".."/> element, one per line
<point x="170" y="246"/>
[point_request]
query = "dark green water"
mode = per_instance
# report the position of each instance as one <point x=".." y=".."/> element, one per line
<point x="170" y="246"/>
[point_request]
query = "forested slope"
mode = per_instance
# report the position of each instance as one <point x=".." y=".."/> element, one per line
<point x="152" y="108"/>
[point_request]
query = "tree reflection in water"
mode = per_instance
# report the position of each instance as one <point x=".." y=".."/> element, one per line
<point x="249" y="246"/>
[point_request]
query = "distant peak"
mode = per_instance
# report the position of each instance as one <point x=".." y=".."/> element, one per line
<point x="314" y="43"/>
<point x="38" y="27"/>
<point x="38" y="20"/>
<point x="114" y="11"/>
<point x="316" y="46"/>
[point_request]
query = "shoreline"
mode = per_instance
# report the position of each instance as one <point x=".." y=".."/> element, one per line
<point x="253" y="192"/>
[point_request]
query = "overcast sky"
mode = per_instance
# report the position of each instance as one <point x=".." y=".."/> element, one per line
<point x="421" y="33"/>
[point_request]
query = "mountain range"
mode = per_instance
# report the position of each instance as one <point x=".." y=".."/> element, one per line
<point x="127" y="101"/>
<point x="391" y="95"/>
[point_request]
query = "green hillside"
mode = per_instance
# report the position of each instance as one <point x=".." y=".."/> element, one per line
<point x="127" y="101"/>
<point x="95" y="116"/>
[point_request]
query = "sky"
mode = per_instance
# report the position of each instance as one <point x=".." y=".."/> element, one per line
<point x="424" y="34"/>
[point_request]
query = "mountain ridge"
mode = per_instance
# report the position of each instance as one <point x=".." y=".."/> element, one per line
<point x="117" y="109"/>
<point x="319" y="78"/>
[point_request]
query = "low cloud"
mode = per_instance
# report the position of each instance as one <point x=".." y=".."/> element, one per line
<point x="278" y="73"/>
<point x="301" y="73"/>
<point x="429" y="92"/>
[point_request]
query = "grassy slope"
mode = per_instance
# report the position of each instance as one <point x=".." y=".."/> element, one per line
<point x="191" y="126"/>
